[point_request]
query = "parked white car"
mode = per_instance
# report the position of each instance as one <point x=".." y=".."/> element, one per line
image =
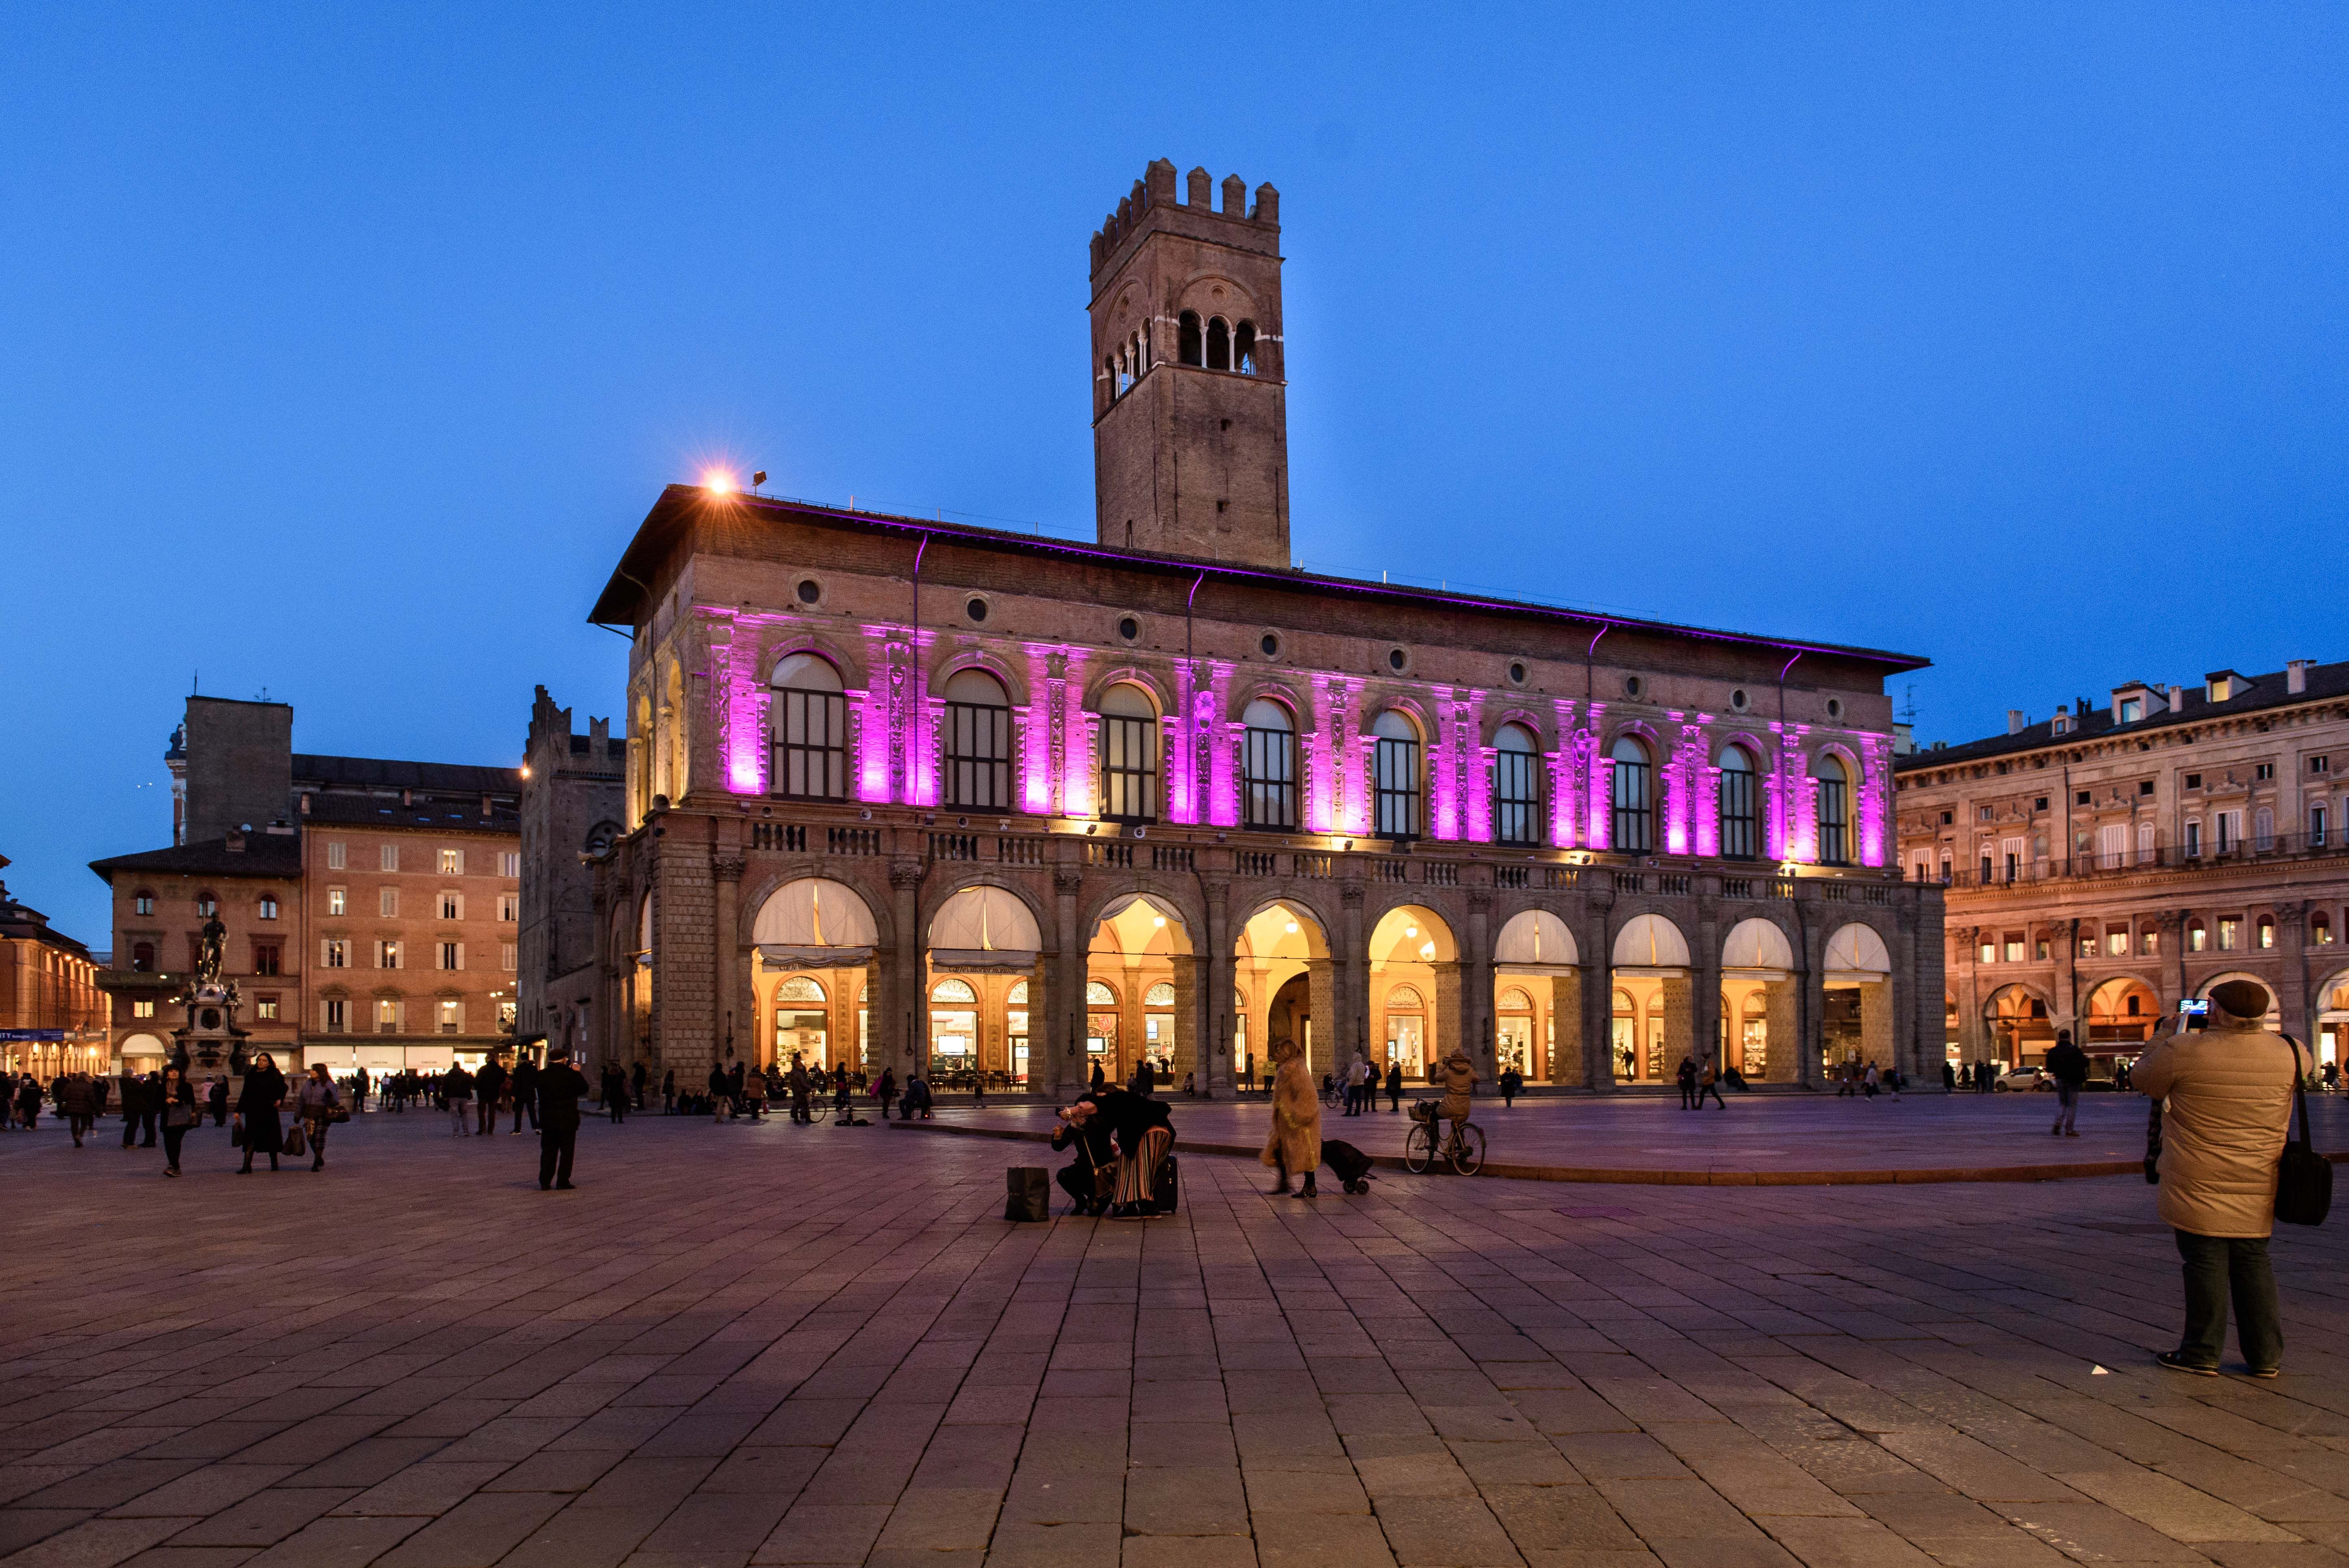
<point x="2022" y="1079"/>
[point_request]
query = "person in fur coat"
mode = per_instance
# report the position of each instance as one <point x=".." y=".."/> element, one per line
<point x="1294" y="1144"/>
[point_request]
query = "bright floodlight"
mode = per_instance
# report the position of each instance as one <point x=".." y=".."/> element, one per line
<point x="719" y="481"/>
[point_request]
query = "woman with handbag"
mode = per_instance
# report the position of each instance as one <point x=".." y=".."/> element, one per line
<point x="256" y="1112"/>
<point x="179" y="1113"/>
<point x="2228" y="1091"/>
<point x="318" y="1108"/>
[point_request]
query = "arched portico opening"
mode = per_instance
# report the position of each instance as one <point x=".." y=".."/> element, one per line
<point x="2331" y="1026"/>
<point x="1858" y="1025"/>
<point x="2019" y="1026"/>
<point x="812" y="951"/>
<point x="1535" y="962"/>
<point x="1652" y="1023"/>
<point x="1414" y="990"/>
<point x="2123" y="1014"/>
<point x="983" y="946"/>
<point x="1142" y="978"/>
<point x="1758" y="1001"/>
<point x="1282" y="984"/>
<point x="2274" y="1018"/>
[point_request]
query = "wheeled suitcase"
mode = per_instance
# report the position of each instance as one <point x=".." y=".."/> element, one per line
<point x="1348" y="1163"/>
<point x="1166" y="1187"/>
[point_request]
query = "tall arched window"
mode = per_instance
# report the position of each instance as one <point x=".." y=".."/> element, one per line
<point x="1634" y="797"/>
<point x="1244" y="348"/>
<point x="1268" y="767"/>
<point x="810" y="729"/>
<point x="1516" y="787"/>
<point x="1188" y="338"/>
<point x="1394" y="775"/>
<point x="1129" y="732"/>
<point x="978" y="742"/>
<point x="1741" y="837"/>
<point x="1219" y="345"/>
<point x="1835" y="811"/>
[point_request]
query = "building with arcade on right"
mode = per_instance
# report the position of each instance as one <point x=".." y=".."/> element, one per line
<point x="2107" y="863"/>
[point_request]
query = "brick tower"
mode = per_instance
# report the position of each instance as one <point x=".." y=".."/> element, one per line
<point x="1190" y="406"/>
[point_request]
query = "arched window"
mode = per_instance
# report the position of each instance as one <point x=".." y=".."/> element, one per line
<point x="207" y="904"/>
<point x="1129" y="739"/>
<point x="1394" y="773"/>
<point x="1835" y="811"/>
<point x="1159" y="995"/>
<point x="799" y="988"/>
<point x="1740" y="836"/>
<point x="1244" y="348"/>
<point x="1219" y="345"/>
<point x="1098" y="995"/>
<point x="143" y="902"/>
<point x="1188" y="338"/>
<point x="810" y="721"/>
<point x="1634" y="798"/>
<point x="1268" y="767"/>
<point x="2198" y="935"/>
<point x="954" y="991"/>
<point x="1516" y="787"/>
<point x="1018" y="996"/>
<point x="978" y="742"/>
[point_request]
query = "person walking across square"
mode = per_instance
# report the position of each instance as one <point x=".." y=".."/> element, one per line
<point x="560" y="1090"/>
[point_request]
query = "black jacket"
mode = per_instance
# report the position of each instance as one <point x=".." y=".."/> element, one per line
<point x="1092" y="1139"/>
<point x="2068" y="1064"/>
<point x="1128" y="1115"/>
<point x="560" y="1090"/>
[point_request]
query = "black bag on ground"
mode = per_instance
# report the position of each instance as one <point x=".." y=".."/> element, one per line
<point x="1167" y="1186"/>
<point x="1348" y="1163"/>
<point x="1027" y="1193"/>
<point x="2303" y="1177"/>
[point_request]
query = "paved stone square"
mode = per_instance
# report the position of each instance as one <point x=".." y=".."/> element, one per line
<point x="770" y="1345"/>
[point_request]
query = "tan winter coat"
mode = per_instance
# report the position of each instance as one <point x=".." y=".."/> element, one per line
<point x="1458" y="1077"/>
<point x="2229" y="1089"/>
<point x="1294" y="1143"/>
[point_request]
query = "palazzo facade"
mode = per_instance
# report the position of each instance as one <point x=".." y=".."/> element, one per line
<point x="906" y="794"/>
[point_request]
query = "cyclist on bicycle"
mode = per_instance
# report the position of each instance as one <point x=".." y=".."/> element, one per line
<point x="1457" y="1074"/>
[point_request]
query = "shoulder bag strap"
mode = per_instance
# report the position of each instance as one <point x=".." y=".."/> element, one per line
<point x="2299" y="1099"/>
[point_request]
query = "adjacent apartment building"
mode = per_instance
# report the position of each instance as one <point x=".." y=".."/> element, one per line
<point x="2103" y="865"/>
<point x="52" y="1014"/>
<point x="371" y="906"/>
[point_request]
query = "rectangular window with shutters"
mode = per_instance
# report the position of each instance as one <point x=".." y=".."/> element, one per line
<point x="266" y="959"/>
<point x="510" y="863"/>
<point x="336" y="853"/>
<point x="338" y="1015"/>
<point x="389" y="856"/>
<point x="387" y="954"/>
<point x="335" y="952"/>
<point x="451" y="955"/>
<point x="452" y="862"/>
<point x="386" y="1016"/>
<point x="2112" y="846"/>
<point x="387" y="903"/>
<point x="506" y="956"/>
<point x="265" y="1006"/>
<point x="452" y="906"/>
<point x="509" y="908"/>
<point x="451" y="1016"/>
<point x="337" y="901"/>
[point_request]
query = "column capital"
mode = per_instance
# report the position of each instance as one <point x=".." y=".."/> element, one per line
<point x="727" y="869"/>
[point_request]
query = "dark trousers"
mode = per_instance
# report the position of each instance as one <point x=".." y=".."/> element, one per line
<point x="172" y="1138"/>
<point x="528" y="1102"/>
<point x="1714" y="1089"/>
<point x="2216" y="1268"/>
<point x="1689" y="1101"/>
<point x="1077" y="1181"/>
<point x="555" y="1148"/>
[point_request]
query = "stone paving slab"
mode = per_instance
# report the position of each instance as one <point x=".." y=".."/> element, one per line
<point x="762" y="1344"/>
<point x="1758" y="1141"/>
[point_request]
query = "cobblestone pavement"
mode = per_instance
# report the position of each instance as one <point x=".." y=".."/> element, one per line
<point x="1754" y="1132"/>
<point x="770" y="1345"/>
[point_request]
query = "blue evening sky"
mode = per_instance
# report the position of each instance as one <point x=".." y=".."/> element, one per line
<point x="341" y="347"/>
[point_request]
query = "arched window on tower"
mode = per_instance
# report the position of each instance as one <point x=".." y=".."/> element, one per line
<point x="1269" y="766"/>
<point x="1128" y="742"/>
<point x="978" y="742"/>
<point x="1124" y="371"/>
<point x="810" y="730"/>
<point x="1634" y="798"/>
<point x="1394" y="771"/>
<point x="1516" y="787"/>
<point x="1244" y="348"/>
<point x="1835" y="811"/>
<point x="1187" y="339"/>
<point x="1219" y="345"/>
<point x="1739" y="822"/>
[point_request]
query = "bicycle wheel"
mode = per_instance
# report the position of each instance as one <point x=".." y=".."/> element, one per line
<point x="1419" y="1149"/>
<point x="818" y="1112"/>
<point x="1468" y="1151"/>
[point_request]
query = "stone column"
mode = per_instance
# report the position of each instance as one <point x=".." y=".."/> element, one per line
<point x="1189" y="1057"/>
<point x="1876" y="1040"/>
<point x="1065" y="994"/>
<point x="2068" y="1011"/>
<point x="877" y="991"/>
<point x="1680" y="1021"/>
<point x="1596" y="939"/>
<point x="1811" y="1005"/>
<point x="1450" y="1023"/>
<point x="2292" y="933"/>
<point x="1216" y="1080"/>
<point x="901" y="1026"/>
<point x="1477" y="985"/>
<point x="1322" y="986"/>
<point x="736" y="1024"/>
<point x="1705" y="1023"/>
<point x="1908" y="982"/>
<point x="1972" y="1045"/>
<point x="1349" y="1009"/>
<point x="1782" y="1039"/>
<point x="2172" y="989"/>
<point x="1567" y="1064"/>
<point x="1130" y="1036"/>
